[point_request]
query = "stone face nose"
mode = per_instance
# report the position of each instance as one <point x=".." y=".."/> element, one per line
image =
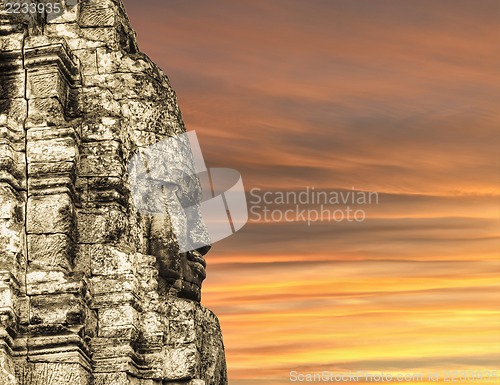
<point x="92" y="291"/>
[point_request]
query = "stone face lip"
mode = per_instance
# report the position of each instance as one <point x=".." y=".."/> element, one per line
<point x="92" y="290"/>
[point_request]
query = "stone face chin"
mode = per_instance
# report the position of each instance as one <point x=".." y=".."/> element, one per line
<point x="92" y="291"/>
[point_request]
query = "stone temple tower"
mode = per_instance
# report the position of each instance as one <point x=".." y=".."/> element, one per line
<point x="92" y="292"/>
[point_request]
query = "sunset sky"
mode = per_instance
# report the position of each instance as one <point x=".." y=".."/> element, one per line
<point x="398" y="97"/>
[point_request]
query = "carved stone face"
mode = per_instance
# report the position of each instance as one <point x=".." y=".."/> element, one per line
<point x="167" y="191"/>
<point x="181" y="273"/>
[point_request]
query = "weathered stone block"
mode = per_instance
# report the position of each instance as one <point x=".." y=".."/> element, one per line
<point x="54" y="373"/>
<point x="48" y="186"/>
<point x="178" y="309"/>
<point x="152" y="323"/>
<point x="95" y="13"/>
<point x="106" y="225"/>
<point x="12" y="161"/>
<point x="108" y="348"/>
<point x="12" y="85"/>
<point x="99" y="37"/>
<point x="107" y="260"/>
<point x="50" y="309"/>
<point x="119" y="315"/>
<point x="101" y="129"/>
<point x="102" y="159"/>
<point x="7" y="371"/>
<point x="51" y="150"/>
<point x="102" y="183"/>
<point x="82" y="263"/>
<point x="13" y="136"/>
<point x="42" y="281"/>
<point x="108" y="61"/>
<point x="45" y="112"/>
<point x="44" y="50"/>
<point x="11" y="204"/>
<point x="71" y="33"/>
<point x="111" y="378"/>
<point x="99" y="102"/>
<point x="118" y="321"/>
<point x="50" y="168"/>
<point x="181" y="332"/>
<point x="13" y="112"/>
<point x="50" y="214"/>
<point x="88" y="61"/>
<point x="121" y="378"/>
<point x="105" y="285"/>
<point x="13" y="42"/>
<point x="143" y="138"/>
<point x="181" y="363"/>
<point x="8" y="289"/>
<point x="47" y="83"/>
<point x="145" y="116"/>
<point x="49" y="251"/>
<point x="51" y="132"/>
<point x="151" y="342"/>
<point x="11" y="245"/>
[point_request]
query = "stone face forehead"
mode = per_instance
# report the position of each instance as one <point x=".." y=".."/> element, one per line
<point x="93" y="291"/>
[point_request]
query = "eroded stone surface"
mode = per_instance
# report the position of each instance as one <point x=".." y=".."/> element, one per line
<point x="92" y="292"/>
